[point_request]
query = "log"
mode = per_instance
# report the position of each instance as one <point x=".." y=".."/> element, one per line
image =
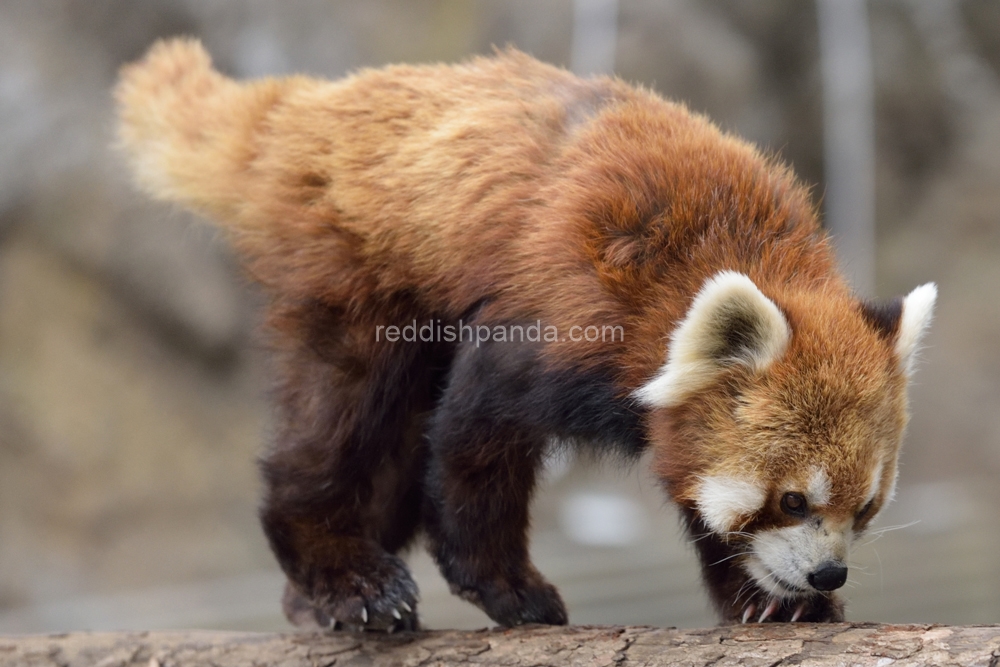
<point x="765" y="645"/>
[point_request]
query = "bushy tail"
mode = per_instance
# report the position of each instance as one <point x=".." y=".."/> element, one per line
<point x="187" y="129"/>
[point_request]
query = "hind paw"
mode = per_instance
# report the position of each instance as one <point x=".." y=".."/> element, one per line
<point x="380" y="598"/>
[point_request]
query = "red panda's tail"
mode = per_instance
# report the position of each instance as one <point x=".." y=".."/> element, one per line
<point x="188" y="130"/>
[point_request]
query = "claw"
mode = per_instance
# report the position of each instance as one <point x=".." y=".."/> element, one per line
<point x="772" y="607"/>
<point x="364" y="614"/>
<point x="408" y="608"/>
<point x="331" y="622"/>
<point x="397" y="615"/>
<point x="748" y="612"/>
<point x="801" y="609"/>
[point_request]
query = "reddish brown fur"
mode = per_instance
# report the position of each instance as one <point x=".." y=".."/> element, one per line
<point x="498" y="191"/>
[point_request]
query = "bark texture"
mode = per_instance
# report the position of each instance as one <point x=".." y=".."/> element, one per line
<point x="765" y="645"/>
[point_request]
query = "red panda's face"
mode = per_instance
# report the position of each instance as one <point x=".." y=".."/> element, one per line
<point x="817" y="438"/>
<point x="792" y="472"/>
<point x="780" y="427"/>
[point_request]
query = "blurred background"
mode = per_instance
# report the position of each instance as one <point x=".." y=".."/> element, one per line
<point x="133" y="388"/>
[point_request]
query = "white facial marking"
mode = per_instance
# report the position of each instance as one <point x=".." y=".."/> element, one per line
<point x="890" y="493"/>
<point x="918" y="308"/>
<point x="692" y="361"/>
<point x="818" y="488"/>
<point x="875" y="482"/>
<point x="781" y="559"/>
<point x="722" y="500"/>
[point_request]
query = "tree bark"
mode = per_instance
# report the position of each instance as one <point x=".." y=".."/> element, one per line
<point x="766" y="645"/>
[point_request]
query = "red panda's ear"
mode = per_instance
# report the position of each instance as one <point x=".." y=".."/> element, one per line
<point x="918" y="309"/>
<point x="883" y="316"/>
<point x="729" y="322"/>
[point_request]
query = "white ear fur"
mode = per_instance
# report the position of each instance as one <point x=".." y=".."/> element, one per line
<point x="918" y="309"/>
<point x="728" y="306"/>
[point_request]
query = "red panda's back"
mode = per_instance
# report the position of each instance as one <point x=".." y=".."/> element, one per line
<point x="413" y="177"/>
<point x="449" y="183"/>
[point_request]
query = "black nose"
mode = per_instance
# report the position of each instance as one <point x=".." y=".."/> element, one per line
<point x="828" y="577"/>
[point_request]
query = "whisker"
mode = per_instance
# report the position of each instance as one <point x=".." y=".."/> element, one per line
<point x="881" y="580"/>
<point x="725" y="536"/>
<point x="723" y="560"/>
<point x="887" y="529"/>
<point x="874" y="539"/>
<point x="747" y="585"/>
<point x="751" y="582"/>
<point x="698" y="538"/>
<point x="743" y="589"/>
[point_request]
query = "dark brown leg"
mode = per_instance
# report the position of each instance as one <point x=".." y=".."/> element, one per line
<point x="480" y="480"/>
<point x="344" y="477"/>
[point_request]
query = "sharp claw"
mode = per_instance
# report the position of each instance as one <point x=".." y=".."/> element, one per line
<point x="391" y="629"/>
<point x="772" y="607"/>
<point x="801" y="609"/>
<point x="408" y="608"/>
<point x="397" y="615"/>
<point x="364" y="614"/>
<point x="748" y="612"/>
<point x="331" y="622"/>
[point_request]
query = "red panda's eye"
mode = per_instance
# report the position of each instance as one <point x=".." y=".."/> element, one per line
<point x="794" y="504"/>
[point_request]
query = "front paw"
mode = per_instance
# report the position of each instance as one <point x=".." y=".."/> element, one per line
<point x="761" y="608"/>
<point x="529" y="600"/>
<point x="378" y="596"/>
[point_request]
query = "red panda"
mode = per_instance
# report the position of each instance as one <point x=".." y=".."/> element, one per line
<point x="613" y="270"/>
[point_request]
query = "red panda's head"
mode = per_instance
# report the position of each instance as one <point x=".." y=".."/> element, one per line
<point x="777" y="421"/>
